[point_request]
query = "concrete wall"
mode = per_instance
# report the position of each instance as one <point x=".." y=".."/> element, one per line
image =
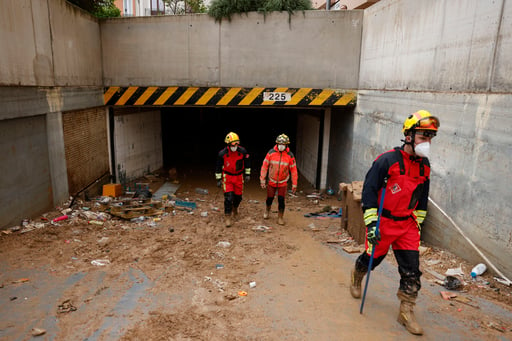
<point x="50" y="63"/>
<point x="48" y="43"/>
<point x="138" y="144"/>
<point x="453" y="59"/>
<point x="317" y="49"/>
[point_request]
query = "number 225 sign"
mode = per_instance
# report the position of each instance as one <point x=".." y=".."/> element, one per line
<point x="277" y="96"/>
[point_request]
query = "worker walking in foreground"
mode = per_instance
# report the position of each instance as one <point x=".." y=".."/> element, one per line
<point x="280" y="164"/>
<point x="404" y="209"/>
<point x="232" y="163"/>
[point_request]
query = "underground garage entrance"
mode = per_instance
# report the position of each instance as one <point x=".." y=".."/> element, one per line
<point x="184" y="127"/>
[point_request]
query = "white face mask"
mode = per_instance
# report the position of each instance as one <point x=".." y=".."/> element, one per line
<point x="281" y="147"/>
<point x="423" y="149"/>
<point x="233" y="148"/>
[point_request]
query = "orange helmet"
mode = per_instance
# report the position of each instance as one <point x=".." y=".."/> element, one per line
<point x="420" y="120"/>
<point x="231" y="137"/>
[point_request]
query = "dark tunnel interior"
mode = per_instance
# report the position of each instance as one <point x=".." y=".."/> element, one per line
<point x="192" y="137"/>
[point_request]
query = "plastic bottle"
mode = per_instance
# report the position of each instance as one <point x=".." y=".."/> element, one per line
<point x="478" y="270"/>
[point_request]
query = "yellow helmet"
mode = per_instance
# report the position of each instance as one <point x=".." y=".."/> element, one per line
<point x="231" y="137"/>
<point x="420" y="120"/>
<point x="283" y="139"/>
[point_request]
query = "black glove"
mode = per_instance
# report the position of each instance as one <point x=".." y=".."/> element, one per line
<point x="247" y="178"/>
<point x="219" y="183"/>
<point x="372" y="235"/>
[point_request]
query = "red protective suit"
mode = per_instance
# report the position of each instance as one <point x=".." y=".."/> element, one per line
<point x="279" y="166"/>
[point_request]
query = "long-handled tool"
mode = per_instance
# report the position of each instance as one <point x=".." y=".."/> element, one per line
<point x="373" y="246"/>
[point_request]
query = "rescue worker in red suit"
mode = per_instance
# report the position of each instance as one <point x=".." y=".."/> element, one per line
<point x="232" y="163"/>
<point x="407" y="170"/>
<point x="279" y="163"/>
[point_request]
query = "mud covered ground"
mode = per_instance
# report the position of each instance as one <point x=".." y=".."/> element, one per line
<point x="185" y="276"/>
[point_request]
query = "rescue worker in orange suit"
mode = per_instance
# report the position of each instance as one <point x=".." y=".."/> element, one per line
<point x="233" y="163"/>
<point x="279" y="163"/>
<point x="407" y="170"/>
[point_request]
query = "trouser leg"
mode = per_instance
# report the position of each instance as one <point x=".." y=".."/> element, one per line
<point x="360" y="269"/>
<point x="237" y="199"/>
<point x="410" y="285"/>
<point x="228" y="202"/>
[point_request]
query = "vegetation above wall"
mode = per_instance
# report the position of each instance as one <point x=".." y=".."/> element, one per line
<point x="98" y="8"/>
<point x="224" y="9"/>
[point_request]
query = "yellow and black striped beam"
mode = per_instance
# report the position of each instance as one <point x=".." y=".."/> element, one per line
<point x="224" y="96"/>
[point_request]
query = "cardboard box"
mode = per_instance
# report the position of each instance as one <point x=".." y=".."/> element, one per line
<point x="352" y="219"/>
<point x="112" y="190"/>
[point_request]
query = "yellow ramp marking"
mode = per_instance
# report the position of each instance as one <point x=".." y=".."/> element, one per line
<point x="345" y="99"/>
<point x="149" y="91"/>
<point x="229" y="96"/>
<point x="110" y="92"/>
<point x="165" y="96"/>
<point x="186" y="96"/>
<point x="272" y="102"/>
<point x="207" y="96"/>
<point x="251" y="96"/>
<point x="298" y="96"/>
<point x="322" y="97"/>
<point x="127" y="94"/>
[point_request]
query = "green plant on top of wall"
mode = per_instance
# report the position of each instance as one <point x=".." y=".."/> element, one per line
<point x="224" y="9"/>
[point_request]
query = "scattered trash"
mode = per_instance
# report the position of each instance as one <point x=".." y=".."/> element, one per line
<point x="138" y="219"/>
<point x="187" y="204"/>
<point x="252" y="285"/>
<point x="262" y="228"/>
<point x="502" y="281"/>
<point x="450" y="296"/>
<point x="497" y="327"/>
<point x="446" y="295"/>
<point x="12" y="298"/>
<point x="242" y="293"/>
<point x="100" y="262"/>
<point x="204" y="214"/>
<point x="65" y="307"/>
<point x="478" y="270"/>
<point x="38" y="331"/>
<point x="324" y="214"/>
<point x="103" y="240"/>
<point x="353" y="249"/>
<point x="219" y="266"/>
<point x="95" y="222"/>
<point x="202" y="190"/>
<point x="61" y="218"/>
<point x="435" y="274"/>
<point x="171" y="229"/>
<point x="452" y="283"/>
<point x="432" y="261"/>
<point x="224" y="244"/>
<point x="21" y="280"/>
<point x="455" y="272"/>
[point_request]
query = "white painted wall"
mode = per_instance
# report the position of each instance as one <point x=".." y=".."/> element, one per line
<point x="308" y="137"/>
<point x="137" y="144"/>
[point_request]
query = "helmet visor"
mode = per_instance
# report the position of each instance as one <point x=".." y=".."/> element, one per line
<point x="427" y="123"/>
